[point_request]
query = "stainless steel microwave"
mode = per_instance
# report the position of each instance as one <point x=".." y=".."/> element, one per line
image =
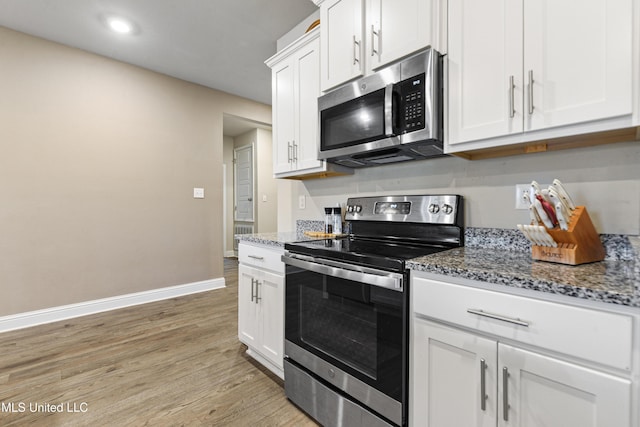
<point x="391" y="116"/>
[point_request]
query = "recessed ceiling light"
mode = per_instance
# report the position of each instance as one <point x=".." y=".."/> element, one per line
<point x="120" y="26"/>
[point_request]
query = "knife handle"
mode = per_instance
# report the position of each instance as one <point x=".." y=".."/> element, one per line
<point x="542" y="214"/>
<point x="560" y="214"/>
<point x="549" y="210"/>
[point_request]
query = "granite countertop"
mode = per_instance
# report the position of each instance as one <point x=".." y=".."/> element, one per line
<point x="503" y="257"/>
<point x="274" y="239"/>
<point x="615" y="281"/>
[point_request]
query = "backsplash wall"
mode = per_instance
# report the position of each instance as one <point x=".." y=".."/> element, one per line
<point x="606" y="179"/>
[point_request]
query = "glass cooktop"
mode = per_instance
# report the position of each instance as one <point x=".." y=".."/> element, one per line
<point x="381" y="254"/>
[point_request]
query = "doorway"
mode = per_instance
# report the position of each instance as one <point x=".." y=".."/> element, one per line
<point x="243" y="191"/>
<point x="250" y="192"/>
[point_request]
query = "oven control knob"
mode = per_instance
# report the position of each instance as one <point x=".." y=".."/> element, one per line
<point x="433" y="208"/>
<point x="447" y="209"/>
<point x="332" y="373"/>
<point x="350" y="208"/>
<point x="358" y="209"/>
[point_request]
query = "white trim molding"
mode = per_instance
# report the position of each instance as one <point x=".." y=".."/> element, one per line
<point x="64" y="312"/>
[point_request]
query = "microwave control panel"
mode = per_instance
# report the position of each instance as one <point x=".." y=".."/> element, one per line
<point x="411" y="105"/>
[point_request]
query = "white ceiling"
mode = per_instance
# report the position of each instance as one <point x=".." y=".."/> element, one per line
<point x="221" y="44"/>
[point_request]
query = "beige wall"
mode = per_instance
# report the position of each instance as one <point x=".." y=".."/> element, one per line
<point x="266" y="184"/>
<point x="98" y="161"/>
<point x="606" y="179"/>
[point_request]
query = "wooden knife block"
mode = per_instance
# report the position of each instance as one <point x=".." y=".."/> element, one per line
<point x="579" y="244"/>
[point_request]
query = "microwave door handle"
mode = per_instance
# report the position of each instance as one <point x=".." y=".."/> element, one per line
<point x="388" y="110"/>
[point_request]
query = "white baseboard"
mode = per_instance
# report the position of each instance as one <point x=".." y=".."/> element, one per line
<point x="63" y="312"/>
<point x="230" y="254"/>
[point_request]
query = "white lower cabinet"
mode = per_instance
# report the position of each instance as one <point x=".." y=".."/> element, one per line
<point x="261" y="305"/>
<point x="537" y="390"/>
<point x="484" y="375"/>
<point x="461" y="379"/>
<point x="448" y="377"/>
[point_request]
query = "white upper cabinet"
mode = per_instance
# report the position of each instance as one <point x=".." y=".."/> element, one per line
<point x="519" y="67"/>
<point x="484" y="60"/>
<point x="578" y="55"/>
<point x="295" y="88"/>
<point x="341" y="41"/>
<point x="308" y="88"/>
<point x="283" y="114"/>
<point x="396" y="28"/>
<point x="359" y="36"/>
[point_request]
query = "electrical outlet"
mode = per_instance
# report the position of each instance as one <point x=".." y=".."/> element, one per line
<point x="521" y="189"/>
<point x="198" y="193"/>
<point x="302" y="202"/>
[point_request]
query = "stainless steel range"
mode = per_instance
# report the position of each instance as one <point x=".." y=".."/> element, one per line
<point x="347" y="308"/>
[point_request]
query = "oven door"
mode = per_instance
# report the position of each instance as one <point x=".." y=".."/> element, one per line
<point x="347" y="324"/>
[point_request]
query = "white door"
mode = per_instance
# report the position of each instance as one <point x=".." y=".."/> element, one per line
<point x="543" y="391"/>
<point x="283" y="116"/>
<point x="243" y="186"/>
<point x="396" y="28"/>
<point x="342" y="45"/>
<point x="270" y="293"/>
<point x="578" y="54"/>
<point x="484" y="69"/>
<point x="454" y="378"/>
<point x="308" y="89"/>
<point x="248" y="309"/>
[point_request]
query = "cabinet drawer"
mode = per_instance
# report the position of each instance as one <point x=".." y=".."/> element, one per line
<point x="590" y="334"/>
<point x="261" y="256"/>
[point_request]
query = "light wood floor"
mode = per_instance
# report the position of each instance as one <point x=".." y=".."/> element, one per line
<point x="174" y="362"/>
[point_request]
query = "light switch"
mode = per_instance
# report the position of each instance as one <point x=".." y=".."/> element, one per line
<point x="198" y="193"/>
<point x="264" y="197"/>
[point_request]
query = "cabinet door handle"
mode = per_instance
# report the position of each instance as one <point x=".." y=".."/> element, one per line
<point x="295" y="151"/>
<point x="252" y="291"/>
<point x="374" y="33"/>
<point x="483" y="385"/>
<point x="288" y="152"/>
<point x="356" y="51"/>
<point x="497" y="317"/>
<point x="531" y="92"/>
<point x="505" y="394"/>
<point x="512" y="108"/>
<point x="258" y="297"/>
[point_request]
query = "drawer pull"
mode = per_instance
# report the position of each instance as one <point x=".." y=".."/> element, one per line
<point x="498" y="317"/>
<point x="483" y="385"/>
<point x="505" y="394"/>
<point x="258" y="297"/>
<point x="259" y="258"/>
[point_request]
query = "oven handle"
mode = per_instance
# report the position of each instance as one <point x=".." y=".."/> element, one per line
<point x="356" y="273"/>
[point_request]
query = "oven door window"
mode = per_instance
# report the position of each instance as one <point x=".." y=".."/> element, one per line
<point x="354" y="122"/>
<point x="355" y="326"/>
